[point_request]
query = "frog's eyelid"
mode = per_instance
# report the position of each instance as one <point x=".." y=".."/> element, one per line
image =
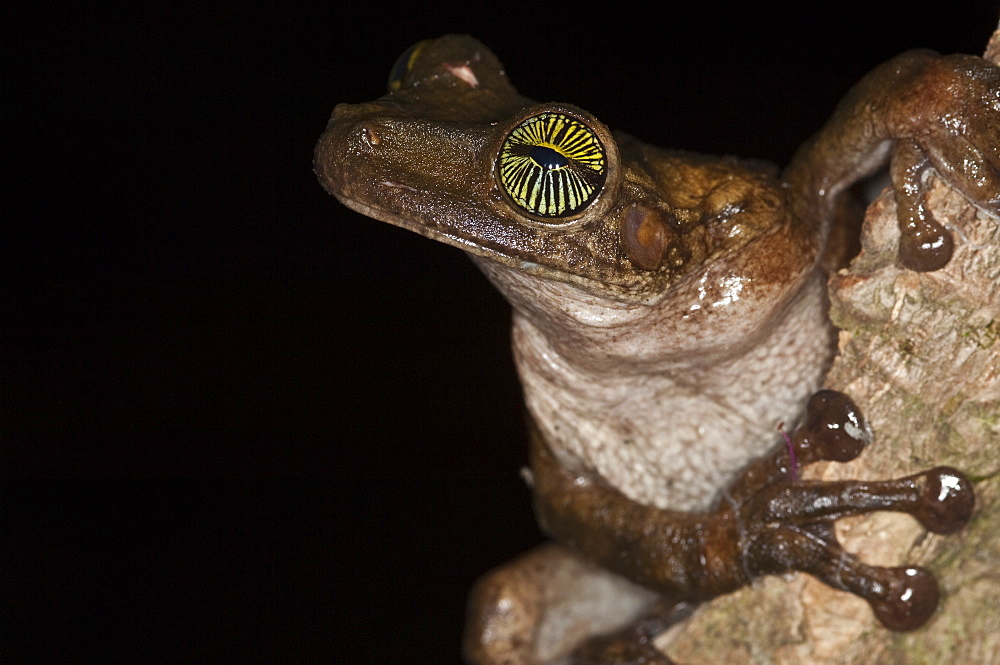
<point x="404" y="64"/>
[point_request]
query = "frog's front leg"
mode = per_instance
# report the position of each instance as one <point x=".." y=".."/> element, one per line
<point x="768" y="522"/>
<point x="928" y="113"/>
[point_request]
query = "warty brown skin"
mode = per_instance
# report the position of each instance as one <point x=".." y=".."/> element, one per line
<point x="664" y="328"/>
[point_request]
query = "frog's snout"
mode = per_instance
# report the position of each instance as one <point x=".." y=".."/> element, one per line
<point x="347" y="136"/>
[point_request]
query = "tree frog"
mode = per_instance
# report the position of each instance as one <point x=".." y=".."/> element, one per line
<point x="669" y="314"/>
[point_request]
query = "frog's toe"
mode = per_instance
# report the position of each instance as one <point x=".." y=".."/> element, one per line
<point x="902" y="598"/>
<point x="924" y="244"/>
<point x="958" y="136"/>
<point x="945" y="501"/>
<point x="941" y="499"/>
<point x="833" y="429"/>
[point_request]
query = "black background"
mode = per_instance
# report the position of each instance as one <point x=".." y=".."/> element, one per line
<point x="270" y="429"/>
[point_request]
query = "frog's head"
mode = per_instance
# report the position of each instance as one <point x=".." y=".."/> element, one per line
<point x="453" y="152"/>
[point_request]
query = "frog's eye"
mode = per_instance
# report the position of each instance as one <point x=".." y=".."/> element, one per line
<point x="552" y="165"/>
<point x="403" y="65"/>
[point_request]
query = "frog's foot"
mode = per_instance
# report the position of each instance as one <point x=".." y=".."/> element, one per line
<point x="951" y="124"/>
<point x="541" y="606"/>
<point x="790" y="525"/>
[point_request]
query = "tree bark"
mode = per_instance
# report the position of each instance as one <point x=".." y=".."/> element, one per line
<point x="920" y="354"/>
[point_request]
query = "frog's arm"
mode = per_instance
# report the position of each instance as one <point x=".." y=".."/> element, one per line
<point x="929" y="112"/>
<point x="766" y="523"/>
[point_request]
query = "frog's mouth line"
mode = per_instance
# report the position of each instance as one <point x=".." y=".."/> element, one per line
<point x="646" y="291"/>
<point x="430" y="232"/>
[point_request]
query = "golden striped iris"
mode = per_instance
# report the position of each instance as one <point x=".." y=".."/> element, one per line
<point x="552" y="165"/>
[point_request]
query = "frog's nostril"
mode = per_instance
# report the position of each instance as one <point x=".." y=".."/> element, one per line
<point x="370" y="136"/>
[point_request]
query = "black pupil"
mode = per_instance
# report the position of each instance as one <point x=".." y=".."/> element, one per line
<point x="547" y="158"/>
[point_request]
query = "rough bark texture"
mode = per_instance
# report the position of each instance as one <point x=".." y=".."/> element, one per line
<point x="920" y="353"/>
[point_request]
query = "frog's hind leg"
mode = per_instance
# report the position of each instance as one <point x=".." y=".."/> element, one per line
<point x="541" y="606"/>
